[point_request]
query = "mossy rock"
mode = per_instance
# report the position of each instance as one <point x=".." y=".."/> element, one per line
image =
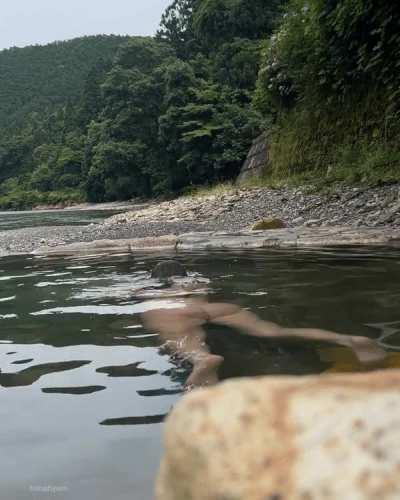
<point x="265" y="224"/>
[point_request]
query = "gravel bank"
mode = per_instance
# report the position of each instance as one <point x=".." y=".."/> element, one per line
<point x="229" y="211"/>
<point x="235" y="210"/>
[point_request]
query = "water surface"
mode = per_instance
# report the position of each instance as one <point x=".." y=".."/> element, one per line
<point x="18" y="220"/>
<point x="84" y="388"/>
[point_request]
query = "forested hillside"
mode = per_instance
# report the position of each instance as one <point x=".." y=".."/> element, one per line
<point x="38" y="77"/>
<point x="167" y="113"/>
<point x="181" y="109"/>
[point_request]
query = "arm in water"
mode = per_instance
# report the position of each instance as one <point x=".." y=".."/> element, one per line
<point x="182" y="331"/>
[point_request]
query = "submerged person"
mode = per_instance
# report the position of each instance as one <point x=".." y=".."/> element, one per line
<point x="182" y="330"/>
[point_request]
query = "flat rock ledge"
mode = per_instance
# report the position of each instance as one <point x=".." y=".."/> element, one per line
<point x="285" y="438"/>
<point x="98" y="247"/>
<point x="279" y="238"/>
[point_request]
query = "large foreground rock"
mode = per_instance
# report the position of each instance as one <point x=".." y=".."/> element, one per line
<point x="333" y="437"/>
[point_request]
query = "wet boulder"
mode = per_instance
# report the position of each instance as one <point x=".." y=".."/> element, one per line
<point x="285" y="438"/>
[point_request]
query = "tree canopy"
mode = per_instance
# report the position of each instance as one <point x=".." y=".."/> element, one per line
<point x="107" y="118"/>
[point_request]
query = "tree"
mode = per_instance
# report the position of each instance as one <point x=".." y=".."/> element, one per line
<point x="237" y="63"/>
<point x="118" y="117"/>
<point x="115" y="172"/>
<point x="122" y="153"/>
<point x="176" y="27"/>
<point x="143" y="54"/>
<point x="91" y="99"/>
<point x="219" y="21"/>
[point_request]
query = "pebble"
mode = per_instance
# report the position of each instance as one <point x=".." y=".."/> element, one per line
<point x="298" y="221"/>
<point x="312" y="222"/>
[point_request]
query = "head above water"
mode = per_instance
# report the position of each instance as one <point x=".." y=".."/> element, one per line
<point x="167" y="269"/>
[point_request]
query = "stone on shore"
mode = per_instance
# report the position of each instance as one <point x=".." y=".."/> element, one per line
<point x="266" y="224"/>
<point x="283" y="438"/>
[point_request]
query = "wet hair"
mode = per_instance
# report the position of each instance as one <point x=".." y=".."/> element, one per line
<point x="168" y="269"/>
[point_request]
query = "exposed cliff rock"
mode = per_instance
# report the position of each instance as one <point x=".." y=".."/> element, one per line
<point x="257" y="160"/>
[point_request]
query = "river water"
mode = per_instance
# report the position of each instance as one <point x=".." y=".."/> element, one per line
<point x="84" y="387"/>
<point x="69" y="217"/>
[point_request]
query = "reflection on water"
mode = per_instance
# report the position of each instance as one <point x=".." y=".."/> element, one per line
<point x="159" y="392"/>
<point x="84" y="387"/>
<point x="389" y="334"/>
<point x="21" y="361"/>
<point x="132" y="370"/>
<point x="149" y="419"/>
<point x="76" y="391"/>
<point x="32" y="374"/>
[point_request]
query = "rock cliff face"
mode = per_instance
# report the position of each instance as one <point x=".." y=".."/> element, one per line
<point x="256" y="161"/>
<point x="329" y="437"/>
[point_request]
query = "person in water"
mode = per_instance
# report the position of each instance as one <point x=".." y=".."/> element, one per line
<point x="182" y="331"/>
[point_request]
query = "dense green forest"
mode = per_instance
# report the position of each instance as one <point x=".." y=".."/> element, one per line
<point x="38" y="77"/>
<point x="107" y="118"/>
<point x="330" y="78"/>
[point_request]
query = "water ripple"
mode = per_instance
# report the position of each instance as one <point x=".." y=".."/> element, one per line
<point x="112" y="310"/>
<point x="74" y="354"/>
<point x="8" y="299"/>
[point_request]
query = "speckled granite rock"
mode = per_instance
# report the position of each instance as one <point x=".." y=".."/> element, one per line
<point x="323" y="437"/>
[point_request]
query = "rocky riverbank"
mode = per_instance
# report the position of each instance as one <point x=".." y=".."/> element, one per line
<point x="235" y="209"/>
<point x="229" y="210"/>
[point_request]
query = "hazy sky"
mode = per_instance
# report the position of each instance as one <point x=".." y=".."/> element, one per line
<point x="27" y="22"/>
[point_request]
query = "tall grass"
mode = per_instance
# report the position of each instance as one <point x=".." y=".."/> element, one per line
<point x="216" y="190"/>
